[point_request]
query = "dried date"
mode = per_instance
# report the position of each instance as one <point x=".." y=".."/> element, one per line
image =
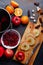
<point x="41" y="13"/>
<point x="40" y="20"/>
<point x="37" y="27"/>
<point x="42" y="31"/>
<point x="42" y="24"/>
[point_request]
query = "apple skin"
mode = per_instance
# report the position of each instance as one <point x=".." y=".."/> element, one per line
<point x="9" y="53"/>
<point x="16" y="20"/>
<point x="20" y="56"/>
<point x="1" y="51"/>
<point x="0" y="42"/>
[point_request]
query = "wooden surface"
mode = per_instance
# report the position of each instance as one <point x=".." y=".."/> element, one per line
<point x="35" y="54"/>
<point x="39" y="39"/>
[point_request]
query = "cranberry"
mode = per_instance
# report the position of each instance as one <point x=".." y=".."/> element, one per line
<point x="10" y="39"/>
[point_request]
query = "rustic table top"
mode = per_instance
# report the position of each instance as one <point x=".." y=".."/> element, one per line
<point x="25" y="5"/>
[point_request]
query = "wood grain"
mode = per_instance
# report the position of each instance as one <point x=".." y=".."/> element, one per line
<point x="35" y="54"/>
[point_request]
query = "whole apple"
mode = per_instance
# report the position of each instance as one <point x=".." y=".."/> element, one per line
<point x="1" y="51"/>
<point x="16" y="20"/>
<point x="9" y="53"/>
<point x="20" y="56"/>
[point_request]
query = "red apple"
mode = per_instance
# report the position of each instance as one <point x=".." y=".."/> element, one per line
<point x="20" y="56"/>
<point x="0" y="41"/>
<point x="9" y="53"/>
<point x="1" y="51"/>
<point x="16" y="20"/>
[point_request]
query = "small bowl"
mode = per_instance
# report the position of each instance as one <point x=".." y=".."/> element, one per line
<point x="10" y="36"/>
<point x="5" y="20"/>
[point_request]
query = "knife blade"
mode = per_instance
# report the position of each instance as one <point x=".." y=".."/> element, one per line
<point x="32" y="53"/>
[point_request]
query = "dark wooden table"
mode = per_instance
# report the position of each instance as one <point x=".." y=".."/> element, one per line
<point x="25" y="5"/>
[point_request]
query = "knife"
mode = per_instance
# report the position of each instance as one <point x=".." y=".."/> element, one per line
<point x="32" y="53"/>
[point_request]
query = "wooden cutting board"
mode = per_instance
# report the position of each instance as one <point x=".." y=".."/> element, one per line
<point x="38" y="40"/>
<point x="35" y="54"/>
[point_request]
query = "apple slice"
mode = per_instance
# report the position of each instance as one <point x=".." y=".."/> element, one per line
<point x="36" y="32"/>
